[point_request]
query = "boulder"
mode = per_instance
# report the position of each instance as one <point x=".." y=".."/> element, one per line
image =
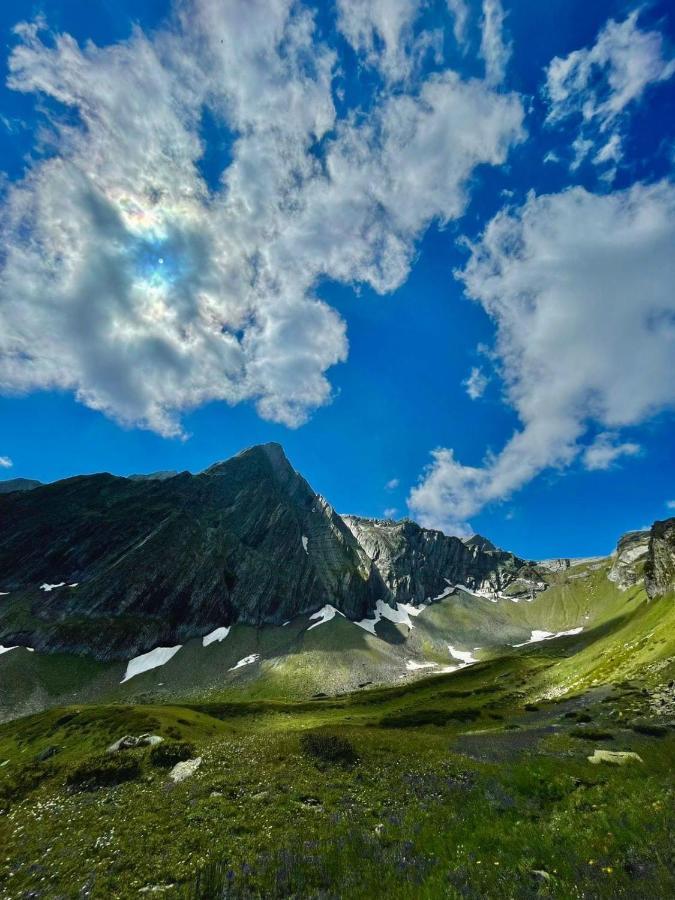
<point x="128" y="742"/>
<point x="614" y="757"/>
<point x="185" y="769"/>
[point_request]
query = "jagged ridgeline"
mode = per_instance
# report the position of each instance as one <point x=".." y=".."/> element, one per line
<point x="163" y="558"/>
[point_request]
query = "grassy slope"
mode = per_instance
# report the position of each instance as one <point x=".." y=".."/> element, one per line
<point x="458" y="808"/>
<point x="460" y="789"/>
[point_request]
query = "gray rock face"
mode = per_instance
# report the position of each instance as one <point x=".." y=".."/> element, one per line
<point x="660" y="564"/>
<point x="630" y="557"/>
<point x="418" y="563"/>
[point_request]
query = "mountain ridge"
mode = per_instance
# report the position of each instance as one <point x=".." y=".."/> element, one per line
<point x="111" y="567"/>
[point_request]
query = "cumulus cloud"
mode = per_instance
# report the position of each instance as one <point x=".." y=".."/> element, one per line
<point x="5" y="462"/>
<point x="580" y="288"/>
<point x="476" y="383"/>
<point x="392" y="484"/>
<point x="131" y="282"/>
<point x="606" y="449"/>
<point x="495" y="50"/>
<point x="597" y="84"/>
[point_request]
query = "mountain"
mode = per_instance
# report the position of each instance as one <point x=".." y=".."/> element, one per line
<point x="18" y="484"/>
<point x="223" y="579"/>
<point x="417" y="563"/>
<point x="137" y="563"/>
<point x="112" y="566"/>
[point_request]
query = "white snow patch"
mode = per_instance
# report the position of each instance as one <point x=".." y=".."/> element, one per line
<point x="246" y="661"/>
<point x="399" y="615"/>
<point x="284" y="624"/>
<point x="150" y="660"/>
<point x="4" y="593"/>
<point x="305" y="541"/>
<point x="538" y="636"/>
<point x="218" y="635"/>
<point x="16" y="647"/>
<point x="412" y="666"/>
<point x="325" y="614"/>
<point x="50" y="587"/>
<point x="464" y="656"/>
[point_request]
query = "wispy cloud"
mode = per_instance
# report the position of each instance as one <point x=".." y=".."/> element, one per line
<point x="476" y="383"/>
<point x="606" y="449"/>
<point x="392" y="484"/>
<point x="495" y="49"/>
<point x="597" y="84"/>
<point x="5" y="462"/>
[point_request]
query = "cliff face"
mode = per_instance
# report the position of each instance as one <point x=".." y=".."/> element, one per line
<point x="160" y="561"/>
<point x="660" y="564"/>
<point x="418" y="563"/>
<point x="629" y="559"/>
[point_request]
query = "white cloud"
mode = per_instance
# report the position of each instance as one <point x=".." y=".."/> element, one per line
<point x="598" y="84"/>
<point x="392" y="484"/>
<point x="390" y="512"/>
<point x="606" y="450"/>
<point x="495" y="50"/>
<point x="476" y="383"/>
<point x="231" y="311"/>
<point x="670" y="504"/>
<point x="460" y="13"/>
<point x="381" y="31"/>
<point x="5" y="462"/>
<point x="580" y="288"/>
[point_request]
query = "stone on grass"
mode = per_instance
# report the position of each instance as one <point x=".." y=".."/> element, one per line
<point x="128" y="742"/>
<point x="183" y="770"/>
<point x="614" y="757"/>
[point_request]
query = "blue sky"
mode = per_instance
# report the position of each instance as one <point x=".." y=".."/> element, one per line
<point x="427" y="246"/>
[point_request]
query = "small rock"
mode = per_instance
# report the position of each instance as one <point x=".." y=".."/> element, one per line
<point x="47" y="753"/>
<point x="379" y="828"/>
<point x="540" y="875"/>
<point x="185" y="769"/>
<point x="128" y="742"/>
<point x="614" y="757"/>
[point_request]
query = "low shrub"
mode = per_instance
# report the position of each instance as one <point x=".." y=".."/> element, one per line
<point x="328" y="747"/>
<point x="592" y="734"/>
<point x="104" y="770"/>
<point x="423" y="717"/>
<point x="650" y="728"/>
<point x="168" y="753"/>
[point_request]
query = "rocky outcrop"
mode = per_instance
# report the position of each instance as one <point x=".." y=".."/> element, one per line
<point x="659" y="567"/>
<point x="629" y="559"/>
<point x="141" y="563"/>
<point x="417" y="564"/>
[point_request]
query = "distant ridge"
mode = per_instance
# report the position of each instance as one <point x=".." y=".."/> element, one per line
<point x="18" y="484"/>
